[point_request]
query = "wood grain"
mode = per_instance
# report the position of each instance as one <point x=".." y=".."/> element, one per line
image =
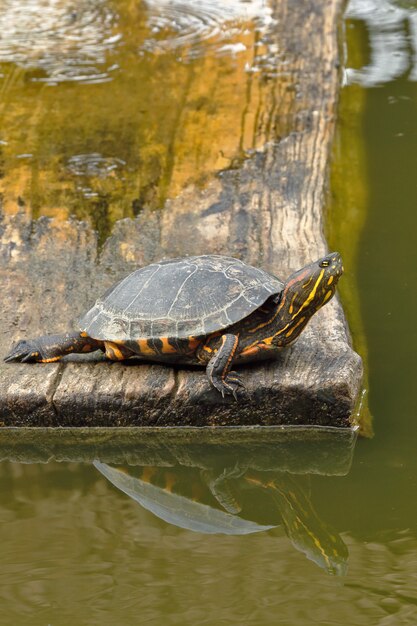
<point x="269" y="212"/>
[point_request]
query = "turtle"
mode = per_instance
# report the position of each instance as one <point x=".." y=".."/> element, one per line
<point x="210" y="310"/>
<point x="230" y="504"/>
<point x="179" y="497"/>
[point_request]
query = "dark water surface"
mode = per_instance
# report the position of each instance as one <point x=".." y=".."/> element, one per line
<point x="75" y="548"/>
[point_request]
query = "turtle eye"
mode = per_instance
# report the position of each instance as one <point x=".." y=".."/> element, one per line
<point x="324" y="263"/>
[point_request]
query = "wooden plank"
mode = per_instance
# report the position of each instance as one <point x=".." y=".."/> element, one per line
<point x="269" y="213"/>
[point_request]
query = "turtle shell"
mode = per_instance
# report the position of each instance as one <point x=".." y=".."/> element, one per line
<point x="179" y="510"/>
<point x="191" y="296"/>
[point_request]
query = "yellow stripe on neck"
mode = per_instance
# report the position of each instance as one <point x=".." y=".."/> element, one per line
<point x="312" y="294"/>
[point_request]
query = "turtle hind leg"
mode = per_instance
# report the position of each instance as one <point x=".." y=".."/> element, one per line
<point x="218" y="368"/>
<point x="117" y="351"/>
<point x="49" y="348"/>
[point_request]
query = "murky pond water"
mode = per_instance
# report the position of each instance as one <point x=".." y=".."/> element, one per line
<point x="89" y="545"/>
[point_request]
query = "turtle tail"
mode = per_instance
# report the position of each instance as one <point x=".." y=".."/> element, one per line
<point x="49" y="348"/>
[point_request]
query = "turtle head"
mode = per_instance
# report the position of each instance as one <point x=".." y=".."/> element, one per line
<point x="304" y="293"/>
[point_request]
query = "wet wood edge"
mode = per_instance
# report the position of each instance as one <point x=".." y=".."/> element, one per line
<point x="269" y="213"/>
<point x="295" y="449"/>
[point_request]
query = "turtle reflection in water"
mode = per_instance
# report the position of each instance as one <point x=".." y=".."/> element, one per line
<point x="205" y="502"/>
<point x="213" y="311"/>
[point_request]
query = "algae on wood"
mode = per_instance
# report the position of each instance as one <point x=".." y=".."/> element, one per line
<point x="347" y="204"/>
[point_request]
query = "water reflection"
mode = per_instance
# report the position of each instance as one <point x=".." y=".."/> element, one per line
<point x="90" y="169"/>
<point x="75" y="550"/>
<point x="199" y="27"/>
<point x="57" y="41"/>
<point x="230" y="481"/>
<point x="214" y="493"/>
<point x="392" y="41"/>
<point x="180" y="498"/>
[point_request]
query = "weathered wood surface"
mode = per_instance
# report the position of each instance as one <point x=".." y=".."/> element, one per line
<point x="269" y="213"/>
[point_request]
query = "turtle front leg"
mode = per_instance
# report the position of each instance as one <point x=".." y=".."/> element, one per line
<point x="49" y="348"/>
<point x="218" y="368"/>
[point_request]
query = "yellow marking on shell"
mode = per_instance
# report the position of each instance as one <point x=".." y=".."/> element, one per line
<point x="144" y="347"/>
<point x="166" y="346"/>
<point x="193" y="344"/>
<point x="113" y="350"/>
<point x="51" y="360"/>
<point x="118" y="353"/>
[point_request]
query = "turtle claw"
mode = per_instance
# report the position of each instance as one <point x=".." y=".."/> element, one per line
<point x="23" y="352"/>
<point x="235" y="378"/>
<point x="229" y="386"/>
<point x="234" y="383"/>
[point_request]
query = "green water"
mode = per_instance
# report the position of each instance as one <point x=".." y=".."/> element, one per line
<point x="77" y="550"/>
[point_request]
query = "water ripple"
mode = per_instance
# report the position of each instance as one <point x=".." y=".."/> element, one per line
<point x="88" y="167"/>
<point x="93" y="164"/>
<point x="57" y="41"/>
<point x="189" y="25"/>
<point x="391" y="28"/>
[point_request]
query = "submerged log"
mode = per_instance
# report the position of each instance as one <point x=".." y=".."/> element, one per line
<point x="269" y="212"/>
